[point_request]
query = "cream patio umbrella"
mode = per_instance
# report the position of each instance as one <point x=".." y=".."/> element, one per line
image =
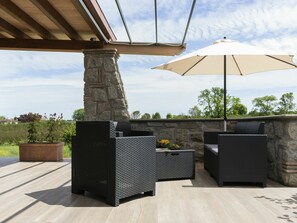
<point x="229" y="57"/>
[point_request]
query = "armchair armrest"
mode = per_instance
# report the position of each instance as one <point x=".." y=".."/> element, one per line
<point x="135" y="158"/>
<point x="212" y="137"/>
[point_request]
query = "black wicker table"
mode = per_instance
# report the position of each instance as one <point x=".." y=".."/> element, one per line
<point x="175" y="164"/>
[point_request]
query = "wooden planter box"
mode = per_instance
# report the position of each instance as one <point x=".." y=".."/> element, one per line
<point x="41" y="151"/>
<point x="175" y="164"/>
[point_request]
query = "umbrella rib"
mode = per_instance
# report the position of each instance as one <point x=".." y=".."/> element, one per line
<point x="237" y="65"/>
<point x="193" y="66"/>
<point x="282" y="60"/>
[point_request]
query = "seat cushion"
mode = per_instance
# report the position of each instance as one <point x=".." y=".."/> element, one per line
<point x="212" y="147"/>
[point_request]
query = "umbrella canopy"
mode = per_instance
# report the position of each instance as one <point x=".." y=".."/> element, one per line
<point x="229" y="57"/>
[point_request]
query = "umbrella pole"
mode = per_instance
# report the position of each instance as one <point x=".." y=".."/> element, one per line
<point x="225" y="93"/>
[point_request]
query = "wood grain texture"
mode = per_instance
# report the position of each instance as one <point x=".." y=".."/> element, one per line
<point x="41" y="192"/>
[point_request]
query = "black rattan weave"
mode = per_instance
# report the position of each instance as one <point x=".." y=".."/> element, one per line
<point x="240" y="157"/>
<point x="175" y="164"/>
<point x="113" y="167"/>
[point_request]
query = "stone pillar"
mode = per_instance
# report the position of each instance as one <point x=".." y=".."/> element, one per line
<point x="104" y="96"/>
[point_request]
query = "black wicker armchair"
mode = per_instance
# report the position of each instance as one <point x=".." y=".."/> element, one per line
<point x="239" y="156"/>
<point x="110" y="166"/>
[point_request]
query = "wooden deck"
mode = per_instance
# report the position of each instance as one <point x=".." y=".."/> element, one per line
<point x="40" y="192"/>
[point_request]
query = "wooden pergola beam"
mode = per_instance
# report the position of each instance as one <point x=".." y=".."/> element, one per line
<point x="56" y="18"/>
<point x="100" y="18"/>
<point x="79" y="7"/>
<point x="48" y="45"/>
<point x="13" y="31"/>
<point x="1" y="35"/>
<point x="78" y="46"/>
<point x="147" y="49"/>
<point x="13" y="10"/>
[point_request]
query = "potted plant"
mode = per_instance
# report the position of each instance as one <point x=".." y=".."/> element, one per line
<point x="48" y="150"/>
<point x="165" y="144"/>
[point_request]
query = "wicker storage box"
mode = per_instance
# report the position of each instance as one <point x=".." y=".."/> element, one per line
<point x="175" y="164"/>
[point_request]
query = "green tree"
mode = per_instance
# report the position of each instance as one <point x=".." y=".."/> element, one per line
<point x="156" y="116"/>
<point x="135" y="115"/>
<point x="2" y="118"/>
<point x="78" y="114"/>
<point x="195" y="112"/>
<point x="169" y="116"/>
<point x="212" y="102"/>
<point x="286" y="104"/>
<point x="265" y="105"/>
<point x="235" y="107"/>
<point x="146" y="116"/>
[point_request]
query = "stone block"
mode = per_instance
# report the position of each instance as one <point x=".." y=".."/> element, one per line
<point x="196" y="136"/>
<point x="121" y="115"/>
<point x="271" y="151"/>
<point x="182" y="135"/>
<point x="102" y="107"/>
<point x="269" y="130"/>
<point x="90" y="109"/>
<point x="106" y="115"/>
<point x="212" y="126"/>
<point x="189" y="125"/>
<point x="98" y="94"/>
<point x="112" y="92"/>
<point x="155" y="124"/>
<point x="290" y="152"/>
<point x="279" y="129"/>
<point x="109" y="64"/>
<point x="292" y="130"/>
<point x="91" y="75"/>
<point x="87" y="91"/>
<point x="170" y="125"/>
<point x="118" y="104"/>
<point x="167" y="133"/>
<point x="110" y="79"/>
<point x="289" y="179"/>
<point x="91" y="61"/>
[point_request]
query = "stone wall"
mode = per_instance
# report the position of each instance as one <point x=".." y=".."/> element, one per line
<point x="281" y="134"/>
<point x="104" y="96"/>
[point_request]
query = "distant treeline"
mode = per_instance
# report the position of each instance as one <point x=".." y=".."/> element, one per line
<point x="211" y="105"/>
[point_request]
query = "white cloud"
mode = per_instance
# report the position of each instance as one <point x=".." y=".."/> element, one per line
<point x="53" y="82"/>
<point x="18" y="62"/>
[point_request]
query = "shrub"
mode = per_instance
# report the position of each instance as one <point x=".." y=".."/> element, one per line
<point x="53" y="125"/>
<point x="30" y="117"/>
<point x="32" y="132"/>
<point x="69" y="131"/>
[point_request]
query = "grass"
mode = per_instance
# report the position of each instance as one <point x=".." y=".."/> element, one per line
<point x="13" y="151"/>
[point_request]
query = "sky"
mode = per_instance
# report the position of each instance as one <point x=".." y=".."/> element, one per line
<point x="47" y="82"/>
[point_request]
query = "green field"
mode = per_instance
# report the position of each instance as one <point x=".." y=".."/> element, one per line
<point x="13" y="151"/>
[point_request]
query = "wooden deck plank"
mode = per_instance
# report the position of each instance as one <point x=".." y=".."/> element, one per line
<point x="41" y="192"/>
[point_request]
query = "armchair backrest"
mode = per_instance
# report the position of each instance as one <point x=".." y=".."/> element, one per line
<point x="125" y="127"/>
<point x="95" y="130"/>
<point x="249" y="127"/>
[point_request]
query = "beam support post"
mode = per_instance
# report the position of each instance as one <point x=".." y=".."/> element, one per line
<point x="104" y="95"/>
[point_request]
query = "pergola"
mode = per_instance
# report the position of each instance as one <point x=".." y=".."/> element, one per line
<point x="81" y="26"/>
<point x="70" y="25"/>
